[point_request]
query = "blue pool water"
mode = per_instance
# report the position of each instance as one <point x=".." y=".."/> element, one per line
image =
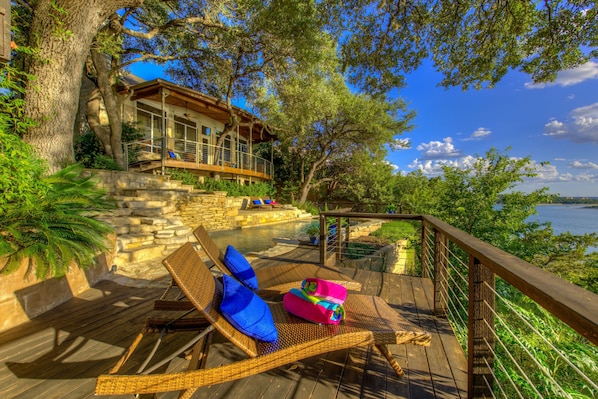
<point x="256" y="239"/>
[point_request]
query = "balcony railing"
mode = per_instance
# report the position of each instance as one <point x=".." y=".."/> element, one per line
<point x="196" y="155"/>
<point x="526" y="332"/>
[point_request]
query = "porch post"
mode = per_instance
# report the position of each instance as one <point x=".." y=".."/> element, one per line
<point x="165" y="93"/>
<point x="480" y="335"/>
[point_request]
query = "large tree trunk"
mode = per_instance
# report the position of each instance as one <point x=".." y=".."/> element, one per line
<point x="63" y="40"/>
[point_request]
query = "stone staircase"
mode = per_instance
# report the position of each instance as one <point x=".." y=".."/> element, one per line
<point x="147" y="222"/>
<point x="156" y="215"/>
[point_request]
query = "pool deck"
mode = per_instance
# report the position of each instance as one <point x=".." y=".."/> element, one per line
<point x="60" y="354"/>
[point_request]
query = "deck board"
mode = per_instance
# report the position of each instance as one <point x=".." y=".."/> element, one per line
<point x="60" y="353"/>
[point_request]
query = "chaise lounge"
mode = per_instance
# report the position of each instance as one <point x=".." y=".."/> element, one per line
<point x="369" y="321"/>
<point x="276" y="279"/>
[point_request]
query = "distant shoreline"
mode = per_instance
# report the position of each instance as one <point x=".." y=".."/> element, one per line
<point x="593" y="206"/>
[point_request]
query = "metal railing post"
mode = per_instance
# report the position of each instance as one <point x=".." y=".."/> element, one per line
<point x="480" y="335"/>
<point x="323" y="245"/>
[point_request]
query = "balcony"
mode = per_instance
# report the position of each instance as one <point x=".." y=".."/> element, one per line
<point x="156" y="155"/>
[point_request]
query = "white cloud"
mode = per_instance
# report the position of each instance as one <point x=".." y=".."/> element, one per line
<point x="582" y="126"/>
<point x="478" y="134"/>
<point x="434" y="167"/>
<point x="570" y="77"/>
<point x="546" y="173"/>
<point x="439" y="150"/>
<point x="481" y="132"/>
<point x="581" y="165"/>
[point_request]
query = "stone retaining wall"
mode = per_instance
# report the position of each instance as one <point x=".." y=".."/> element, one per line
<point x="156" y="214"/>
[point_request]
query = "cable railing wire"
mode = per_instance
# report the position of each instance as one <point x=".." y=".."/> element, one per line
<point x="545" y="340"/>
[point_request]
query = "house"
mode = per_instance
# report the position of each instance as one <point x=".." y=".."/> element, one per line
<point x="181" y="128"/>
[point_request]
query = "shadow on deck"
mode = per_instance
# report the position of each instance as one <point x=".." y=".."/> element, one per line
<point x="59" y="354"/>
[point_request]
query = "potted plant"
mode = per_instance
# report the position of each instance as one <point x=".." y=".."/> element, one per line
<point x="392" y="208"/>
<point x="313" y="231"/>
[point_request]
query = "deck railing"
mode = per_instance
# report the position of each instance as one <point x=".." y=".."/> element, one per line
<point x="526" y="332"/>
<point x="196" y="154"/>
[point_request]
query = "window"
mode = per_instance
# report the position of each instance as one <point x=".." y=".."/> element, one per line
<point x="149" y="121"/>
<point x="185" y="133"/>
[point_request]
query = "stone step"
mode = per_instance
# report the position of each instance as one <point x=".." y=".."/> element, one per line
<point x="151" y="194"/>
<point x="154" y="212"/>
<point x="144" y="252"/>
<point x="141" y="203"/>
<point x="135" y="240"/>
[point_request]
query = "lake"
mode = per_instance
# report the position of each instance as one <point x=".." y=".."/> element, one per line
<point x="577" y="219"/>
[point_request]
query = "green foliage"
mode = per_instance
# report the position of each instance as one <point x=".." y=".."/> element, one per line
<point x="90" y="153"/>
<point x="21" y="177"/>
<point x="58" y="227"/>
<point x="185" y="177"/>
<point x="308" y="207"/>
<point x="12" y="83"/>
<point x="358" y="250"/>
<point x="236" y="190"/>
<point x="473" y="43"/>
<point x="230" y="187"/>
<point x="328" y="132"/>
<point x="313" y="230"/>
<point x="396" y="230"/>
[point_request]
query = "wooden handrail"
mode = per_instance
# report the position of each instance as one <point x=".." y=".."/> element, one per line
<point x="573" y="305"/>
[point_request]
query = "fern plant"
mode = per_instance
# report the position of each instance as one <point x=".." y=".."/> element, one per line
<point x="57" y="228"/>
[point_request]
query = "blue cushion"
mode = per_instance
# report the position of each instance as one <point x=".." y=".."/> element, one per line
<point x="257" y="202"/>
<point x="240" y="267"/>
<point x="267" y="202"/>
<point x="246" y="311"/>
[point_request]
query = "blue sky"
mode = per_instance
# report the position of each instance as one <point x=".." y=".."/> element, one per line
<point x="555" y="123"/>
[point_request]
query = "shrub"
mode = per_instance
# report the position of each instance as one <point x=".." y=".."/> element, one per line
<point x="308" y="207"/>
<point x="55" y="226"/>
<point x="90" y="153"/>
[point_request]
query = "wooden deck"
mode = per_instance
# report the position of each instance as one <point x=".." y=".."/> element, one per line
<point x="59" y="354"/>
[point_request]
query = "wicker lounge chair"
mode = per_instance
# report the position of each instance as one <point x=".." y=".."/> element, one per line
<point x="273" y="281"/>
<point x="277" y="279"/>
<point x="369" y="321"/>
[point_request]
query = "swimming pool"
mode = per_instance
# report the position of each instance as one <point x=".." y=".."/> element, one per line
<point x="256" y="239"/>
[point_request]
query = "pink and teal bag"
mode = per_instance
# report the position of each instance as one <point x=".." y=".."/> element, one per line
<point x="297" y="302"/>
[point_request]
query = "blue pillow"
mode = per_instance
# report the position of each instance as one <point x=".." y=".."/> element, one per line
<point x="267" y="202"/>
<point x="240" y="267"/>
<point x="246" y="311"/>
<point x="257" y="202"/>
